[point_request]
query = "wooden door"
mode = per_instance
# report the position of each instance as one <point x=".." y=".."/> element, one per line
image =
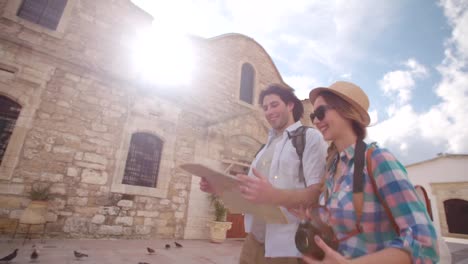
<point x="237" y="229"/>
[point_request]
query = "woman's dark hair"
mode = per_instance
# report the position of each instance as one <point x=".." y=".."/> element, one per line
<point x="287" y="96"/>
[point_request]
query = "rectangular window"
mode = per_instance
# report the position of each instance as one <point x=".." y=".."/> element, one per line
<point x="46" y="13"/>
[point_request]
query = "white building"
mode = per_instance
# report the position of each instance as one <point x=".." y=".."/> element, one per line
<point x="445" y="179"/>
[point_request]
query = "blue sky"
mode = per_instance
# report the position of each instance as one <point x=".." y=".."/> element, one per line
<point x="409" y="56"/>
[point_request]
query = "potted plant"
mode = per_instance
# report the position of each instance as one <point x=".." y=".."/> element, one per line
<point x="36" y="211"/>
<point x="219" y="227"/>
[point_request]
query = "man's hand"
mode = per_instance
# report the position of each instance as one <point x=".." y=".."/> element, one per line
<point x="205" y="186"/>
<point x="256" y="189"/>
<point x="331" y="256"/>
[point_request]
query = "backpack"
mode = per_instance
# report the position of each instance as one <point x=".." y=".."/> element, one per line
<point x="298" y="140"/>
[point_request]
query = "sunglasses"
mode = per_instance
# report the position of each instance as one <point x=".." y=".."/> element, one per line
<point x="319" y="112"/>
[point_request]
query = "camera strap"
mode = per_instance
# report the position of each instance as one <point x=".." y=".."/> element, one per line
<point x="358" y="184"/>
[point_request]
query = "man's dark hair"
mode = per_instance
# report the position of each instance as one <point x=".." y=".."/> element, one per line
<point x="287" y="96"/>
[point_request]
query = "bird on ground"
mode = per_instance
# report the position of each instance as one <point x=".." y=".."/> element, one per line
<point x="143" y="263"/>
<point x="150" y="250"/>
<point x="168" y="246"/>
<point x="177" y="244"/>
<point x="10" y="256"/>
<point x="34" y="255"/>
<point x="79" y="255"/>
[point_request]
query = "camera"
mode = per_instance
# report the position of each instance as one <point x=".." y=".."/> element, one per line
<point x="305" y="241"/>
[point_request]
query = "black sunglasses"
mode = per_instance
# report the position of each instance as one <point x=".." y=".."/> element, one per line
<point x="319" y="112"/>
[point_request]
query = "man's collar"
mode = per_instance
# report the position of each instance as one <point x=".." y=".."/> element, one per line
<point x="272" y="133"/>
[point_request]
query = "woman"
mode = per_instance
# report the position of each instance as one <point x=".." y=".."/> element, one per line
<point x="340" y="113"/>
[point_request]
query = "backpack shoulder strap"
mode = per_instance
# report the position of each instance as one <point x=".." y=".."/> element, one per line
<point x="260" y="149"/>
<point x="376" y="191"/>
<point x="298" y="140"/>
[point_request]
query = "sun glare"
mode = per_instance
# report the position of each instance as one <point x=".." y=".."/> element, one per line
<point x="163" y="55"/>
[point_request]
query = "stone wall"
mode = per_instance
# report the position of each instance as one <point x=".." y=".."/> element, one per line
<point x="81" y="101"/>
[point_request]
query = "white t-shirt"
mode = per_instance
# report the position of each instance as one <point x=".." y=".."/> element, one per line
<point x="284" y="174"/>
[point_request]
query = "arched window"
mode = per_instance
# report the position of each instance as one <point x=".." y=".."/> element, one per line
<point x="456" y="212"/>
<point x="9" y="112"/>
<point x="247" y="83"/>
<point x="144" y="156"/>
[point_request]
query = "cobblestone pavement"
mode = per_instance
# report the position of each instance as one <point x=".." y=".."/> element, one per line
<point x="124" y="251"/>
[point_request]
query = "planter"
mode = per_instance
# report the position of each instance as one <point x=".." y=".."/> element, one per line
<point x="218" y="231"/>
<point x="35" y="213"/>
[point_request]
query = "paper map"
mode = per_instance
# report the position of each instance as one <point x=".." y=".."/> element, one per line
<point x="231" y="196"/>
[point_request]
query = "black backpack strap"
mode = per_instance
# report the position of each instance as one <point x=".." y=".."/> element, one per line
<point x="358" y="179"/>
<point x="298" y="140"/>
<point x="260" y="149"/>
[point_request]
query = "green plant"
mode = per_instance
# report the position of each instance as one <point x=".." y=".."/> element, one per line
<point x="40" y="192"/>
<point x="220" y="209"/>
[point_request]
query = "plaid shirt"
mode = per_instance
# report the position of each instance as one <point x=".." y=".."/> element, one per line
<point x="417" y="234"/>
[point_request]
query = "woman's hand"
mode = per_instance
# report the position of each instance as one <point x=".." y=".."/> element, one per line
<point x="301" y="212"/>
<point x="331" y="256"/>
<point x="256" y="189"/>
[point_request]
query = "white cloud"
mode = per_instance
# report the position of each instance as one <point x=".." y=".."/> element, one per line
<point x="401" y="82"/>
<point x="444" y="127"/>
<point x="301" y="84"/>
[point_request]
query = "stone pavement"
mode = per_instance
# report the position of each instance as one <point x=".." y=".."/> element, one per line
<point x="134" y="251"/>
<point x="124" y="251"/>
<point x="459" y="253"/>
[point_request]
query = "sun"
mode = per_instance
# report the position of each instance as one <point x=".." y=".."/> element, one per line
<point x="163" y="55"/>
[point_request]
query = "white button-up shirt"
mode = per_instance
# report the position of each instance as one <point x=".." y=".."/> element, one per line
<point x="284" y="174"/>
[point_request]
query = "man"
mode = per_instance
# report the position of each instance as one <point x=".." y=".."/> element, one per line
<point x="275" y="178"/>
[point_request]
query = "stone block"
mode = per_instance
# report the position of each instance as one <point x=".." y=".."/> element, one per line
<point x="80" y="201"/>
<point x="126" y="220"/>
<point x="125" y="203"/>
<point x="109" y="210"/>
<point x="11" y="188"/>
<point x="142" y="230"/>
<point x="12" y="202"/>
<point x="51" y="177"/>
<point x="94" y="158"/>
<point x="93" y="177"/>
<point x="148" y="213"/>
<point x="110" y="230"/>
<point x="98" y="219"/>
<point x="76" y="224"/>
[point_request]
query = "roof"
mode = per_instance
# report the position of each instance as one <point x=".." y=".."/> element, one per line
<point x="439" y="156"/>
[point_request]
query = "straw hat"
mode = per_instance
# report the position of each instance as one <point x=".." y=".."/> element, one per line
<point x="349" y="92"/>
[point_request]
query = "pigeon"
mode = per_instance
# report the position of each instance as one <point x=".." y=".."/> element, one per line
<point x="177" y="244"/>
<point x="143" y="263"/>
<point x="150" y="250"/>
<point x="168" y="246"/>
<point x="34" y="255"/>
<point x="9" y="257"/>
<point x="79" y="255"/>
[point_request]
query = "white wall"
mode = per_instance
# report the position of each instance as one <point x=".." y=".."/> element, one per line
<point x="444" y="169"/>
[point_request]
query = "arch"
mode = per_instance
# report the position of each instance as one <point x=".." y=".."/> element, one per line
<point x="422" y="194"/>
<point x="456" y="213"/>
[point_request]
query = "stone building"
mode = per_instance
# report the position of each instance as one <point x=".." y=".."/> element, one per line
<point x="76" y="115"/>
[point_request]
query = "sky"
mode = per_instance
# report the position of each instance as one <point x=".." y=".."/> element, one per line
<point x="410" y="57"/>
